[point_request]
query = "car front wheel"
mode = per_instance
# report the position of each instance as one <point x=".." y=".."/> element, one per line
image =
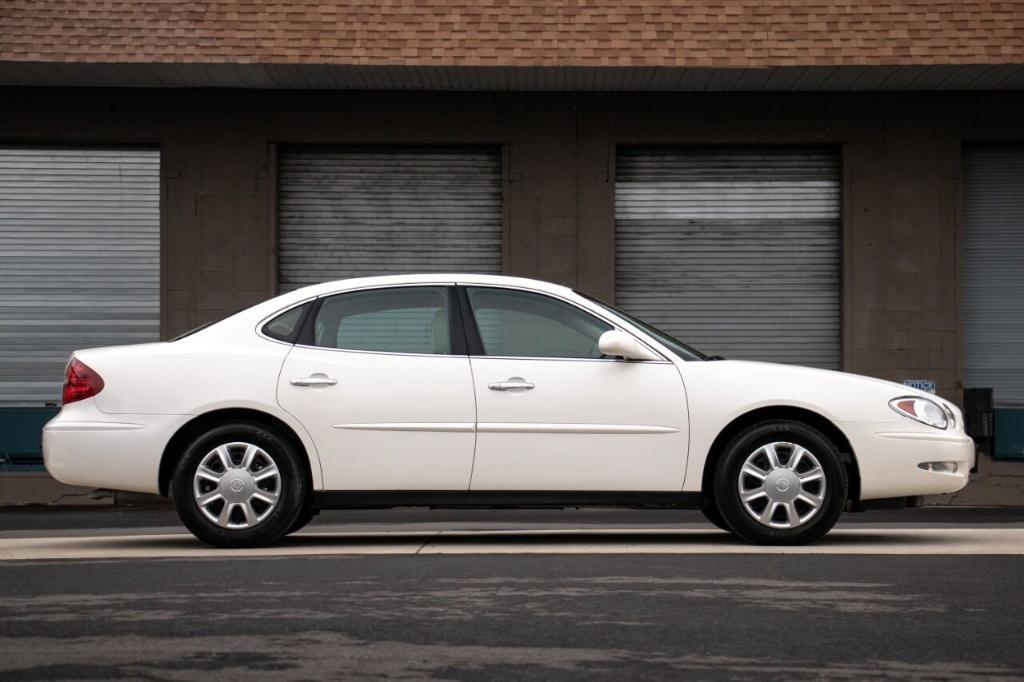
<point x="239" y="485"/>
<point x="780" y="483"/>
<point x="712" y="514"/>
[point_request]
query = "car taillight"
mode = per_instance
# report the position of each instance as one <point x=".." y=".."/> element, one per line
<point x="80" y="382"/>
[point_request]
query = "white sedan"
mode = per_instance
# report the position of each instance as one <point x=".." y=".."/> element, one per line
<point x="473" y="390"/>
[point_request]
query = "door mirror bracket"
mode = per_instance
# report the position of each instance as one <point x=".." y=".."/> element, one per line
<point x="622" y="345"/>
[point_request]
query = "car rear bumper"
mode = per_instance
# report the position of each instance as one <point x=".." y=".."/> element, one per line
<point x="86" y="447"/>
<point x="891" y="460"/>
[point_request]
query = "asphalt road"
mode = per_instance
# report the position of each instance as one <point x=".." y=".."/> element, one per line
<point x="514" y="615"/>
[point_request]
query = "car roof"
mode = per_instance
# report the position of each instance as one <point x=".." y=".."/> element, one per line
<point x="426" y="278"/>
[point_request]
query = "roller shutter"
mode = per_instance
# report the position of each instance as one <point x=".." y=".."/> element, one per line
<point x="79" y="260"/>
<point x="993" y="270"/>
<point x="735" y="251"/>
<point x="356" y="212"/>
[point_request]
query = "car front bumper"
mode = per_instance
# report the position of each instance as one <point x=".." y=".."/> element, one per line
<point x="890" y="458"/>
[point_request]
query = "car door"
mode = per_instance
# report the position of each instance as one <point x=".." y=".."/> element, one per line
<point x="553" y="414"/>
<point x="384" y="388"/>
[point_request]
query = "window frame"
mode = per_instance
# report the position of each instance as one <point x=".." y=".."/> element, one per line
<point x="263" y="322"/>
<point x="456" y="329"/>
<point x="475" y="345"/>
<point x="651" y="331"/>
<point x="290" y="340"/>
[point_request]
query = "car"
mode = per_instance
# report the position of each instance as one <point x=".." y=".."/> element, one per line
<point x="476" y="390"/>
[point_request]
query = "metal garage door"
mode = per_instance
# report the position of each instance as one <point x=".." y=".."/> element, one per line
<point x="376" y="211"/>
<point x="993" y="253"/>
<point x="79" y="260"/>
<point x="735" y="251"/>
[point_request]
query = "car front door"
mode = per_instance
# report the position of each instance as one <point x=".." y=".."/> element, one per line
<point x="384" y="388"/>
<point x="553" y="414"/>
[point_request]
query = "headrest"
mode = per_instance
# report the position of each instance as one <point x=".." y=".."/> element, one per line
<point x="439" y="331"/>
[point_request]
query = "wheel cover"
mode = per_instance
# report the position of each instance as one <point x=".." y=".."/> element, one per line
<point x="782" y="485"/>
<point x="237" y="485"/>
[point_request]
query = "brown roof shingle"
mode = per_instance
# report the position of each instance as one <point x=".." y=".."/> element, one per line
<point x="703" y="33"/>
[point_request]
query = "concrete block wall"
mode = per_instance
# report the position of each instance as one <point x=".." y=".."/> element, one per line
<point x="901" y="254"/>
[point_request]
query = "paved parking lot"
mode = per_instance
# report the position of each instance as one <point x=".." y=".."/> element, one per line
<point x="514" y="595"/>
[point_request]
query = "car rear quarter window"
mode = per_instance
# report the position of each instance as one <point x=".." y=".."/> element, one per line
<point x="285" y="327"/>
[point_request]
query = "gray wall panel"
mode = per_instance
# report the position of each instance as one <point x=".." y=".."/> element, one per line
<point x="356" y="212"/>
<point x="79" y="260"/>
<point x="993" y="270"/>
<point x="735" y="251"/>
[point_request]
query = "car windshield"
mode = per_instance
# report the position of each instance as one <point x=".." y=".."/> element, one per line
<point x="669" y="341"/>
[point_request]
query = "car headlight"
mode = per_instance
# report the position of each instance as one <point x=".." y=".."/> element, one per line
<point x="950" y="414"/>
<point x="922" y="410"/>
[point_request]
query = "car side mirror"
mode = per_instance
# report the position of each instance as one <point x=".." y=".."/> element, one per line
<point x="622" y="345"/>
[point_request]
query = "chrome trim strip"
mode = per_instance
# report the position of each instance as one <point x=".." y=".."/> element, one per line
<point x="380" y="352"/>
<point x="508" y="427"/>
<point x="93" y="426"/>
<point x="939" y="436"/>
<point x="428" y="427"/>
<point x="518" y="357"/>
<point x="512" y="427"/>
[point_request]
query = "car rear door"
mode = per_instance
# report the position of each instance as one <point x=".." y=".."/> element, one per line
<point x="552" y="414"/>
<point x="383" y="385"/>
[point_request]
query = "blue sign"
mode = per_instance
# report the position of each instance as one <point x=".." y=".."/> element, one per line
<point x="920" y="384"/>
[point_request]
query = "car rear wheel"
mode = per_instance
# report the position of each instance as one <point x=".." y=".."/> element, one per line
<point x="239" y="485"/>
<point x="780" y="483"/>
<point x="303" y="519"/>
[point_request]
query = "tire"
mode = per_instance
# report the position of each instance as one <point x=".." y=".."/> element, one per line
<point x="781" y="497"/>
<point x="302" y="520"/>
<point x="251" y="503"/>
<point x="711" y="513"/>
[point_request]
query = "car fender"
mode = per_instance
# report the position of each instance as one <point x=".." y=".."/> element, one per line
<point x="312" y="454"/>
<point x="722" y="391"/>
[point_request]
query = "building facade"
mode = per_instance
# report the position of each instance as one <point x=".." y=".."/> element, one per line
<point x="838" y="186"/>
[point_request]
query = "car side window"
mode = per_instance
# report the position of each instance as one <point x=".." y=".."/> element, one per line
<point x="394" y="320"/>
<point x="285" y="327"/>
<point x="516" y="323"/>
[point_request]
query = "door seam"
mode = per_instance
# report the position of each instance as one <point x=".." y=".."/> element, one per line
<point x="476" y="424"/>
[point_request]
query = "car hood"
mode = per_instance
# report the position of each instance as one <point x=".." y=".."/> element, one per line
<point x="740" y="386"/>
<point x="814" y="373"/>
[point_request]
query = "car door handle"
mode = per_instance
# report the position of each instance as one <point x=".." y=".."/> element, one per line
<point x="314" y="380"/>
<point x="510" y="385"/>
